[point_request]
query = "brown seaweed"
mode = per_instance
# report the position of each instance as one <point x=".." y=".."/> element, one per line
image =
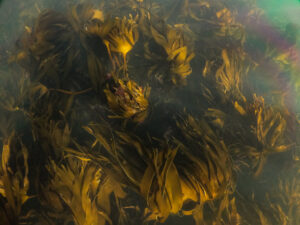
<point x="84" y="141"/>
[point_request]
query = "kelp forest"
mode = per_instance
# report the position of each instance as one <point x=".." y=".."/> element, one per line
<point x="144" y="112"/>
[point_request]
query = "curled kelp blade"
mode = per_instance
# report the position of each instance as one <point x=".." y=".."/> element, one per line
<point x="128" y="100"/>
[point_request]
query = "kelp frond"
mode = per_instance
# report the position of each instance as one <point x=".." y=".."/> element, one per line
<point x="270" y="131"/>
<point x="128" y="100"/>
<point x="85" y="190"/>
<point x="14" y="181"/>
<point x="119" y="35"/>
<point x="161" y="185"/>
<point x="178" y="53"/>
<point x="230" y="75"/>
<point x="152" y="173"/>
<point x="123" y="36"/>
<point x="208" y="167"/>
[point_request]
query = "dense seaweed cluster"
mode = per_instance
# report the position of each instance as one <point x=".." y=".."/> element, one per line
<point x="149" y="112"/>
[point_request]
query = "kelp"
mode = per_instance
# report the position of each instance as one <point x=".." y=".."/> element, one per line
<point x="167" y="185"/>
<point x="118" y="35"/>
<point x="269" y="128"/>
<point x="236" y="209"/>
<point x="57" y="62"/>
<point x="79" y="123"/>
<point x="208" y="167"/>
<point x="155" y="177"/>
<point x="229" y="76"/>
<point x="14" y="181"/>
<point x="285" y="201"/>
<point x="122" y="37"/>
<point x="177" y="54"/>
<point x="162" y="189"/>
<point x="85" y="190"/>
<point x="264" y="134"/>
<point x="128" y="100"/>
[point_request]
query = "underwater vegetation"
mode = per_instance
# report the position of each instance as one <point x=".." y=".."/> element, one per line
<point x="132" y="112"/>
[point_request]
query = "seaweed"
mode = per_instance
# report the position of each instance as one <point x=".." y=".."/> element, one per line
<point x="138" y="112"/>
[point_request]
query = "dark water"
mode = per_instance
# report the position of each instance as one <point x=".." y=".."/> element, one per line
<point x="149" y="112"/>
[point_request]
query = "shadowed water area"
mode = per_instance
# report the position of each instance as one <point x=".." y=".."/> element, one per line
<point x="143" y="112"/>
